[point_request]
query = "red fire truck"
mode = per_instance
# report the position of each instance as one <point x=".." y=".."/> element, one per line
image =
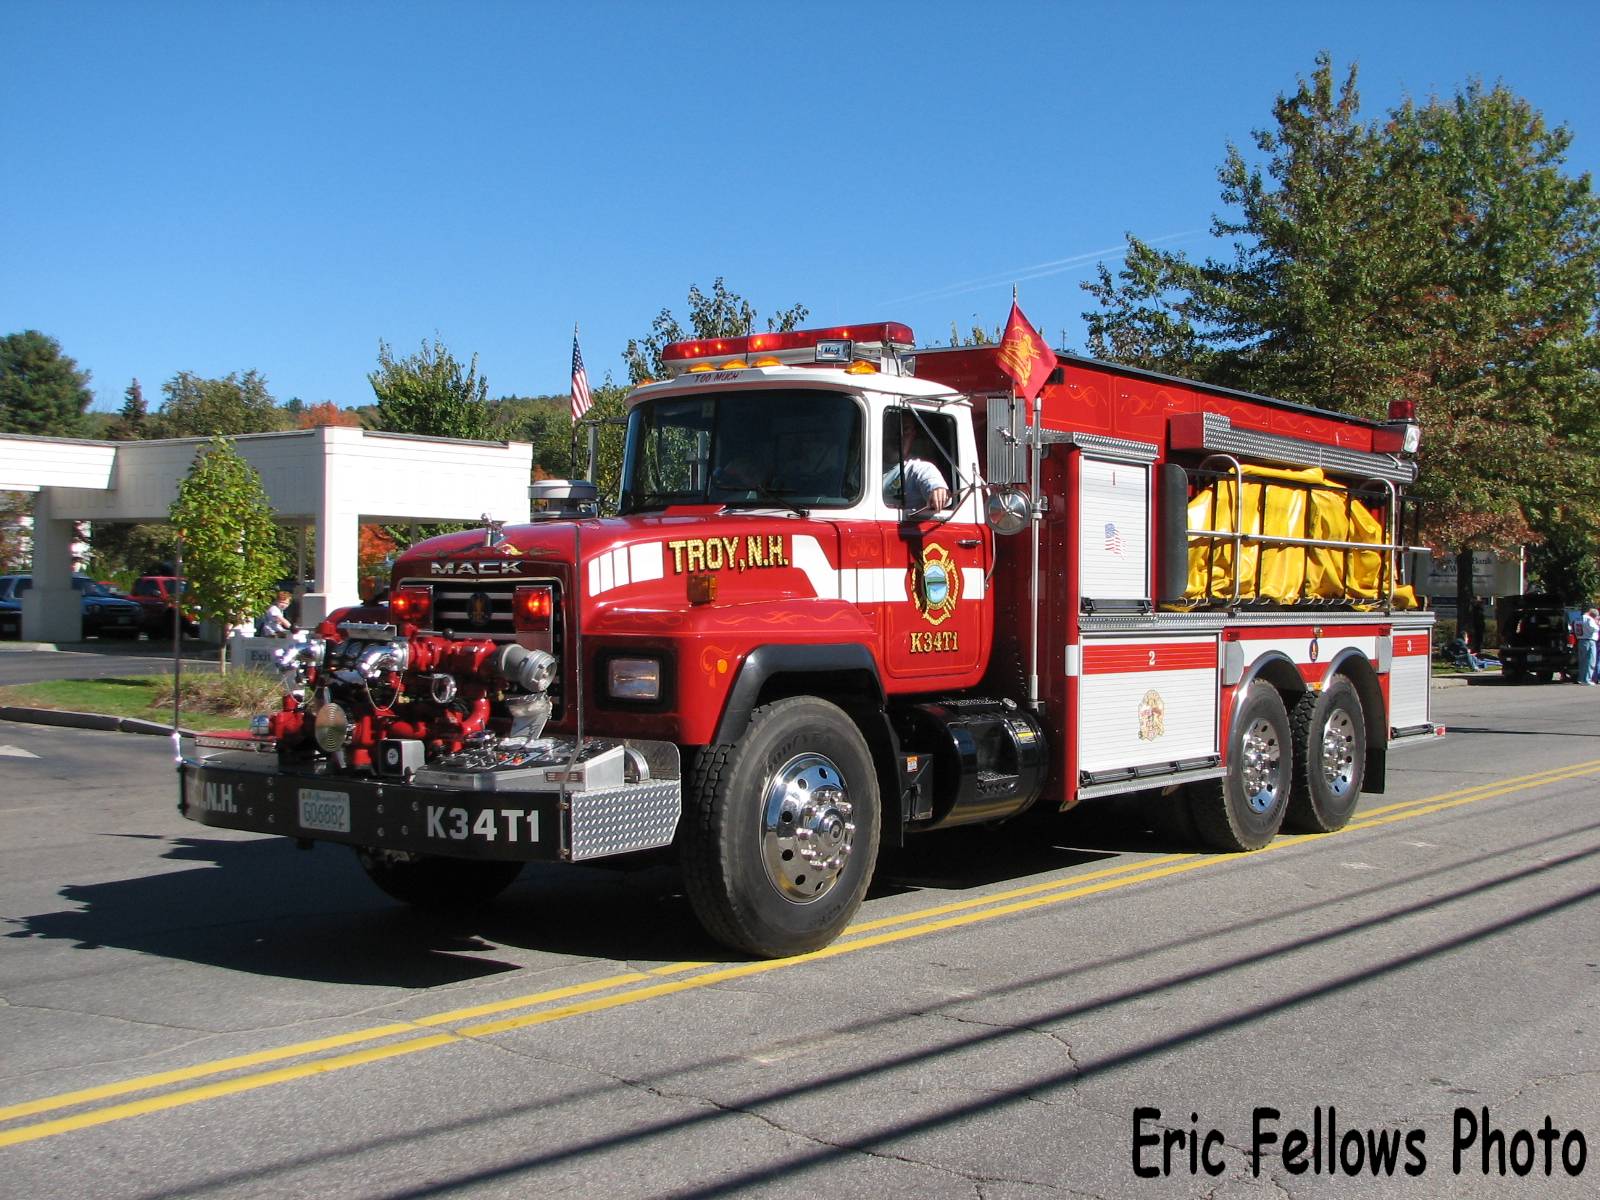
<point x="854" y="592"/>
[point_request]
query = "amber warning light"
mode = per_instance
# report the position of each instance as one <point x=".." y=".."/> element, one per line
<point x="532" y="608"/>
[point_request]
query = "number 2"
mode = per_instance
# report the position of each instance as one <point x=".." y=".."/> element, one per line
<point x="1152" y="658"/>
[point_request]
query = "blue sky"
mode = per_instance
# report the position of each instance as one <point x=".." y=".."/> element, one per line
<point x="220" y="187"/>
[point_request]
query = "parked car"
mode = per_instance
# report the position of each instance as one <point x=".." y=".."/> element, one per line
<point x="104" y="614"/>
<point x="10" y="609"/>
<point x="1536" y="640"/>
<point x="155" y="595"/>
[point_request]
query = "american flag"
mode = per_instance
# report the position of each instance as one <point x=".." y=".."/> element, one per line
<point x="1113" y="539"/>
<point x="580" y="381"/>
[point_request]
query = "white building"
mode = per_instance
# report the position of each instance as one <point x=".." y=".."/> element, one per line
<point x="330" y="478"/>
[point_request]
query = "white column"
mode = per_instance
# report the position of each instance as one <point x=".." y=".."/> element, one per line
<point x="338" y="533"/>
<point x="51" y="610"/>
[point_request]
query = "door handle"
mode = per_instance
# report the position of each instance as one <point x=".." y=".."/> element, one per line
<point x="968" y="543"/>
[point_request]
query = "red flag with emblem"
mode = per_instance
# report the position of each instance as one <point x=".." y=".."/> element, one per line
<point x="1024" y="355"/>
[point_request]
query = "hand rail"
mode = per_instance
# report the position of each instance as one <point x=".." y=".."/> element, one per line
<point x="1387" y="496"/>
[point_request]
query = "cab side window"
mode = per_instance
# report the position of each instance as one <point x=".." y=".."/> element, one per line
<point x="918" y="457"/>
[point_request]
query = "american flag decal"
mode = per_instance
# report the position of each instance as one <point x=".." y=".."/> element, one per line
<point x="1113" y="539"/>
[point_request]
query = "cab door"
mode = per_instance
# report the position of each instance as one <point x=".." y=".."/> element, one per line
<point x="935" y="564"/>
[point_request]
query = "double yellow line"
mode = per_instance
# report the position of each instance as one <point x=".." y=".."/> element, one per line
<point x="634" y="987"/>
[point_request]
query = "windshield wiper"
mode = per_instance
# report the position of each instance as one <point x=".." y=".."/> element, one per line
<point x="643" y="500"/>
<point x="766" y="497"/>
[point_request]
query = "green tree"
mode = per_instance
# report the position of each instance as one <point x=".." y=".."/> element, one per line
<point x="1438" y="255"/>
<point x="720" y="314"/>
<point x="124" y="552"/>
<point x="546" y="422"/>
<point x="132" y="420"/>
<point x="609" y="411"/>
<point x="1564" y="563"/>
<point x="226" y="407"/>
<point x="976" y="335"/>
<point x="231" y="554"/>
<point x="431" y="393"/>
<point x="42" y="391"/>
<point x="14" y="506"/>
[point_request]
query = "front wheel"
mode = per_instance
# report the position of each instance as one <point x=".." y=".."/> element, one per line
<point x="1330" y="740"/>
<point x="436" y="883"/>
<point x="780" y="830"/>
<point x="1244" y="809"/>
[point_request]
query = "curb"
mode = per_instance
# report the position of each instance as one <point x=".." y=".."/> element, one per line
<point x="81" y="720"/>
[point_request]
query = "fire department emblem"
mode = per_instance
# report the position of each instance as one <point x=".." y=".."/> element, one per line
<point x="938" y="584"/>
<point x="479" y="610"/>
<point x="1152" y="716"/>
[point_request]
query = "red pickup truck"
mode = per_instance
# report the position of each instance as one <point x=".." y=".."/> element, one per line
<point x="155" y="594"/>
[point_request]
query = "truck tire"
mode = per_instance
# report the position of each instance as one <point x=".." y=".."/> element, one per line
<point x="436" y="883"/>
<point x="1244" y="809"/>
<point x="1330" y="749"/>
<point x="780" y="829"/>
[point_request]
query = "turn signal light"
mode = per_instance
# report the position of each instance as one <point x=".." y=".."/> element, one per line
<point x="532" y="606"/>
<point x="412" y="604"/>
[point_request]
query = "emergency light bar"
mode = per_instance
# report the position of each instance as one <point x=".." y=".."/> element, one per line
<point x="883" y="343"/>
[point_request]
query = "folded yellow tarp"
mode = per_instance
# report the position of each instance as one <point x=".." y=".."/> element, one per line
<point x="1302" y="504"/>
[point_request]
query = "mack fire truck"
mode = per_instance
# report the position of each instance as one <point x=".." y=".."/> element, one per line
<point x="770" y="660"/>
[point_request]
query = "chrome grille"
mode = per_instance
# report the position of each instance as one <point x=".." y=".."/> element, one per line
<point x="456" y="600"/>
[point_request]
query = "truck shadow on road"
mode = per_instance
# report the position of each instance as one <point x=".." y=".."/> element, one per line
<point x="264" y="907"/>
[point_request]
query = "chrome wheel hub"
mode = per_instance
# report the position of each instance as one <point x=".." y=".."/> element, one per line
<point x="1338" y="752"/>
<point x="806" y="831"/>
<point x="1262" y="755"/>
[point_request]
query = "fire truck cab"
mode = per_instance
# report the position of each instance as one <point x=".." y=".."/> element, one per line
<point x="852" y="592"/>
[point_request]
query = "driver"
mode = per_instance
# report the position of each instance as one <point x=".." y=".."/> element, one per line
<point x="925" y="489"/>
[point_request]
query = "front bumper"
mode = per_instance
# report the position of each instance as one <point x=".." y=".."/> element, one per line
<point x="517" y="811"/>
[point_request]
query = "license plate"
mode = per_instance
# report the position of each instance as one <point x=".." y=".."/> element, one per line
<point x="328" y="811"/>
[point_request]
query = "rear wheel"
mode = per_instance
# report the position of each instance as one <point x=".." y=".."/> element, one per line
<point x="780" y="829"/>
<point x="1330" y="741"/>
<point x="436" y="883"/>
<point x="1244" y="809"/>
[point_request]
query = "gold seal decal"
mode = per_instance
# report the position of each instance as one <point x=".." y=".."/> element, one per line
<point x="938" y="584"/>
<point x="1152" y="716"/>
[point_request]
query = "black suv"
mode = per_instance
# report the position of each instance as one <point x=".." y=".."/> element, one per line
<point x="1535" y="638"/>
<point x="105" y="614"/>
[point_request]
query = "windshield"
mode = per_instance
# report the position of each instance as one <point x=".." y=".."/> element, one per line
<point x="792" y="447"/>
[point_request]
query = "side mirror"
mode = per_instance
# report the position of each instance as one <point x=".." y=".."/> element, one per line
<point x="1006" y="510"/>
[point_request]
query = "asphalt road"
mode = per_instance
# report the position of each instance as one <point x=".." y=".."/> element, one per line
<point x="98" y="660"/>
<point x="189" y="1012"/>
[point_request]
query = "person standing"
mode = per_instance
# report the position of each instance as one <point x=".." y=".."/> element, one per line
<point x="1588" y="631"/>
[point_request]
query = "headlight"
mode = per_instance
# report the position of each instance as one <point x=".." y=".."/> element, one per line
<point x="633" y="679"/>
